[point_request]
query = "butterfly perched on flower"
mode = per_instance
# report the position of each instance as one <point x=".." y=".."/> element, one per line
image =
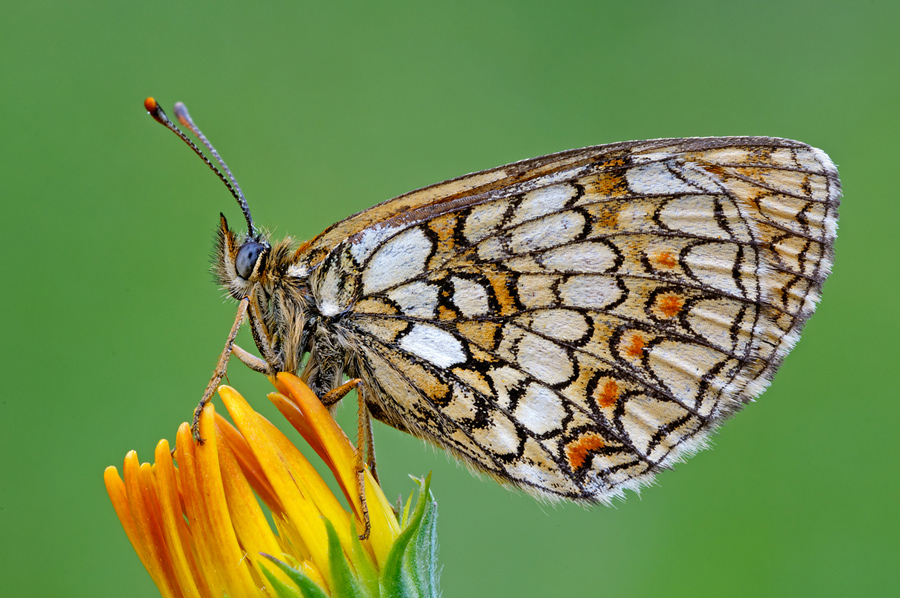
<point x="570" y="324"/>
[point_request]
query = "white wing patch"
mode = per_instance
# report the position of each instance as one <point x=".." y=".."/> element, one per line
<point x="470" y="297"/>
<point x="541" y="202"/>
<point x="540" y="409"/>
<point x="433" y="345"/>
<point x="590" y="256"/>
<point x="417" y="299"/>
<point x="543" y="359"/>
<point x="397" y="260"/>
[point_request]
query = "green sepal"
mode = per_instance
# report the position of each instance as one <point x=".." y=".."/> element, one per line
<point x="282" y="590"/>
<point x="308" y="588"/>
<point x="404" y="518"/>
<point x="343" y="583"/>
<point x="421" y="561"/>
<point x="366" y="573"/>
<point x="410" y="570"/>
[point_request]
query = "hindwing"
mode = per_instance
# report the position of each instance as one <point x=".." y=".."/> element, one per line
<point x="574" y="323"/>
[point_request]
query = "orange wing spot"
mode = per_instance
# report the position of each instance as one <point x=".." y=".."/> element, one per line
<point x="670" y="305"/>
<point x="445" y="248"/>
<point x="636" y="348"/>
<point x="374" y="306"/>
<point x="609" y="393"/>
<point x="577" y="451"/>
<point x="500" y="284"/>
<point x="609" y="184"/>
<point x="666" y="259"/>
<point x="444" y="227"/>
<point x="609" y="218"/>
<point x="483" y="334"/>
<point x="445" y="313"/>
<point x="605" y="217"/>
<point x="480" y="355"/>
<point x="761" y="155"/>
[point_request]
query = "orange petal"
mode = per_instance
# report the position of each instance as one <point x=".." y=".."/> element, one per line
<point x="220" y="558"/>
<point x="175" y="529"/>
<point x="291" y="412"/>
<point x="250" y="466"/>
<point x="115" y="487"/>
<point x="149" y="534"/>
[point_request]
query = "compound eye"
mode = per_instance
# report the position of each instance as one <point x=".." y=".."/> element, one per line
<point x="246" y="258"/>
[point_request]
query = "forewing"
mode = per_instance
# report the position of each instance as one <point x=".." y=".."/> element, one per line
<point x="581" y="323"/>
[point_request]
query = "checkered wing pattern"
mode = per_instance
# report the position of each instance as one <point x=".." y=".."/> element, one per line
<point x="574" y="323"/>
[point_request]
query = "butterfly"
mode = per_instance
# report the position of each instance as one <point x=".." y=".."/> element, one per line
<point x="570" y="324"/>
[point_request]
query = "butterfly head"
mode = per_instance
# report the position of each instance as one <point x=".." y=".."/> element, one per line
<point x="250" y="266"/>
<point x="240" y="263"/>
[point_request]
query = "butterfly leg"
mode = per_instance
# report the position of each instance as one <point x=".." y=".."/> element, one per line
<point x="365" y="444"/>
<point x="370" y="439"/>
<point x="261" y="335"/>
<point x="333" y="396"/>
<point x="221" y="368"/>
<point x="364" y="440"/>
<point x="263" y="341"/>
<point x="253" y="362"/>
<point x="365" y="447"/>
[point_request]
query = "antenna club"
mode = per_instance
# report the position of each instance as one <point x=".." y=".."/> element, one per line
<point x="184" y="118"/>
<point x="156" y="112"/>
<point x="181" y="113"/>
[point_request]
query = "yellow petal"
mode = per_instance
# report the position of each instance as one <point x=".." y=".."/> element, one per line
<point x="296" y="499"/>
<point x="343" y="460"/>
<point x="250" y="522"/>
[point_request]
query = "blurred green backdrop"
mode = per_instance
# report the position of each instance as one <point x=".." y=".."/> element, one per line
<point x="111" y="326"/>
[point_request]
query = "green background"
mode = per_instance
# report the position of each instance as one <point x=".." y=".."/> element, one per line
<point x="111" y="326"/>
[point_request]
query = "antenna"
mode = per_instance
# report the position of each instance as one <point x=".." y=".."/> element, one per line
<point x="184" y="118"/>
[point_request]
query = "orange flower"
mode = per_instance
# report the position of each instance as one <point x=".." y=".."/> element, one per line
<point x="199" y="529"/>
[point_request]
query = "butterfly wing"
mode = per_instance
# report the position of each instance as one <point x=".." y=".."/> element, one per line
<point x="574" y="323"/>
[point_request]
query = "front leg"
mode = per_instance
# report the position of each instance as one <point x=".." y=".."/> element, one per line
<point x="221" y="368"/>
